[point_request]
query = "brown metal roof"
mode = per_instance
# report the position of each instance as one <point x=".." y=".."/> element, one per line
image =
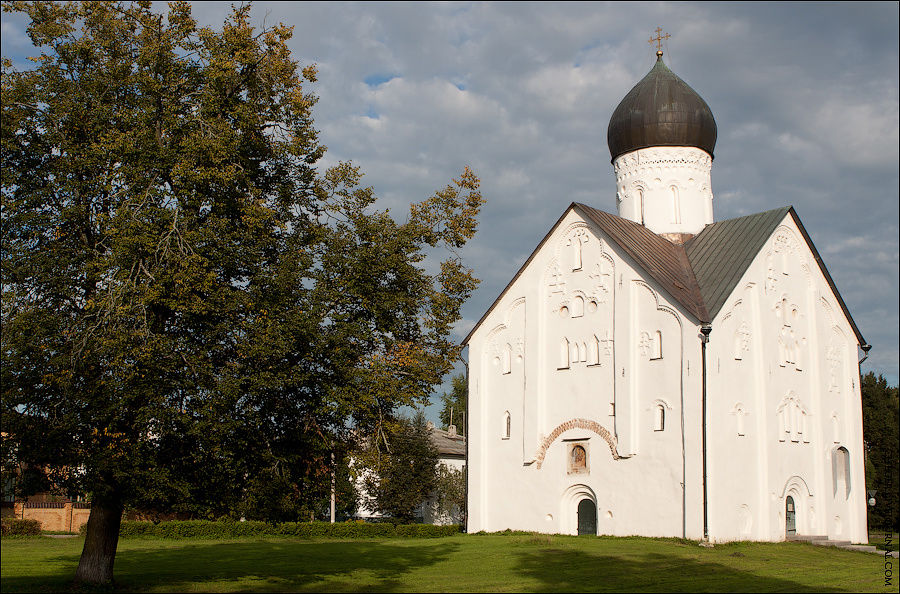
<point x="661" y="110"/>
<point x="666" y="262"/>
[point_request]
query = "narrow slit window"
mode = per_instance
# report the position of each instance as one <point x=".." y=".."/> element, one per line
<point x="676" y="206"/>
<point x="659" y="418"/>
<point x="656" y="346"/>
<point x="563" y="354"/>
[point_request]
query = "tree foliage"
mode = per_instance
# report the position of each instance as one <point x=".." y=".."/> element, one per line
<point x="189" y="305"/>
<point x="450" y="495"/>
<point x="404" y="475"/>
<point x="881" y="434"/>
<point x="454" y="409"/>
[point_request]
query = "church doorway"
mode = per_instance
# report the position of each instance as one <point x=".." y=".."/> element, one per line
<point x="790" y="517"/>
<point x="587" y="517"/>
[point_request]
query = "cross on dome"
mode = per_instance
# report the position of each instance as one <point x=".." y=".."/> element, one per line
<point x="658" y="40"/>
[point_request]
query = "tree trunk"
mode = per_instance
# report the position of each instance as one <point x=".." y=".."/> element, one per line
<point x="99" y="553"/>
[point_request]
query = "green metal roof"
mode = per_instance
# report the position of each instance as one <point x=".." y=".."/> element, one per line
<point x="722" y="252"/>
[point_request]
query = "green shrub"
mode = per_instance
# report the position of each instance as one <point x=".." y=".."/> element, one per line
<point x="20" y="527"/>
<point x="212" y="530"/>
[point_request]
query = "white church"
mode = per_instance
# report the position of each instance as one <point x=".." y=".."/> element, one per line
<point x="661" y="373"/>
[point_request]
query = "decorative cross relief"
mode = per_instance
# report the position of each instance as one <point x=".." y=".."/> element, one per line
<point x="578" y="237"/>
<point x="607" y="343"/>
<point x="789" y="343"/>
<point x="558" y="282"/>
<point x="741" y="341"/>
<point x="650" y="345"/>
<point x="645" y="344"/>
<point x="601" y="279"/>
<point x="833" y="356"/>
<point x="771" y="277"/>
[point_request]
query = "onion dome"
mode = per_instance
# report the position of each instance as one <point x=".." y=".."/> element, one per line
<point x="661" y="110"/>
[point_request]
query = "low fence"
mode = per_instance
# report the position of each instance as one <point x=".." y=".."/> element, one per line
<point x="68" y="516"/>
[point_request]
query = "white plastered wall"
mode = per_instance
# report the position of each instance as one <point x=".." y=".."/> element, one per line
<point x="783" y="372"/>
<point x="583" y="350"/>
<point x="666" y="188"/>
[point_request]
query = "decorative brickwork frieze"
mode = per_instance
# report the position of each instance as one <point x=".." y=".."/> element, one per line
<point x="576" y="424"/>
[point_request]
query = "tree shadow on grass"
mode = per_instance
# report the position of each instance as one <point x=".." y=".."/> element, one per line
<point x="560" y="570"/>
<point x="262" y="566"/>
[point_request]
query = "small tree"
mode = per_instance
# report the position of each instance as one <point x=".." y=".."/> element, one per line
<point x="450" y="494"/>
<point x="455" y="404"/>
<point x="405" y="476"/>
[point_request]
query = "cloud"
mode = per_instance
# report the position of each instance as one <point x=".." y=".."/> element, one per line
<point x="805" y="97"/>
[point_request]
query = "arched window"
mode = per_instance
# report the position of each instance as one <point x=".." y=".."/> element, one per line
<point x="659" y="417"/>
<point x="792" y="420"/>
<point x="506" y="359"/>
<point x="507" y="425"/>
<point x="656" y="346"/>
<point x="577" y="306"/>
<point x="840" y="465"/>
<point x="676" y="206"/>
<point x="594" y="351"/>
<point x="563" y="354"/>
<point x="639" y="204"/>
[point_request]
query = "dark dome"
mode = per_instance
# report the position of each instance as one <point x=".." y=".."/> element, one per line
<point x="661" y="110"/>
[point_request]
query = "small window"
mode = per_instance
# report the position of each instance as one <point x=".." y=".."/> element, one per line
<point x="507" y="425"/>
<point x="577" y="306"/>
<point x="563" y="354"/>
<point x="506" y="360"/>
<point x="639" y="204"/>
<point x="676" y="205"/>
<point x="656" y="346"/>
<point x="659" y="418"/>
<point x="841" y="472"/>
<point x="594" y="351"/>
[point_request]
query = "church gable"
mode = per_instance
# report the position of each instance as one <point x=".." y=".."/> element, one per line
<point x="723" y="252"/>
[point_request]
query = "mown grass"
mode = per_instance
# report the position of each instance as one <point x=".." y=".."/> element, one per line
<point x="492" y="563"/>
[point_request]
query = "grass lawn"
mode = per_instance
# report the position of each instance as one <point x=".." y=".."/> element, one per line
<point x="494" y="563"/>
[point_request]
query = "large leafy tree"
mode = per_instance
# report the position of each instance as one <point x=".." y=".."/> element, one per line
<point x="189" y="306"/>
<point x="881" y="433"/>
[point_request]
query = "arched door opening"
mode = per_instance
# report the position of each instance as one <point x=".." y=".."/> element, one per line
<point x="790" y="517"/>
<point x="587" y="517"/>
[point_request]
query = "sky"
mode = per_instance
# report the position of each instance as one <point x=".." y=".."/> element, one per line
<point x="805" y="97"/>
